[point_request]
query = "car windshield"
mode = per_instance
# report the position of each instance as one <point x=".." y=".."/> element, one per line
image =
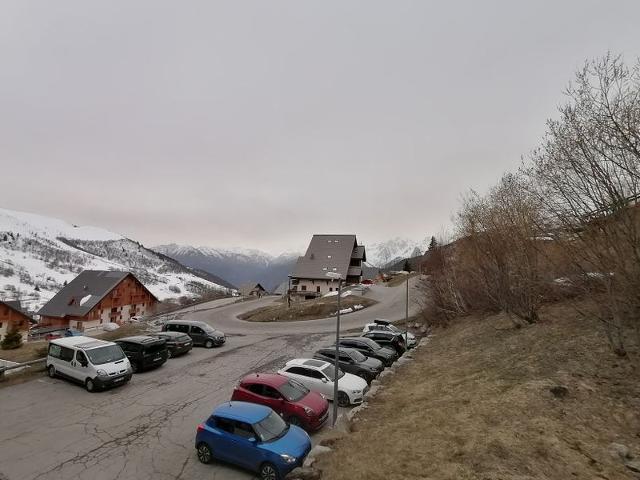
<point x="271" y="427"/>
<point x="329" y="371"/>
<point x="395" y="329"/>
<point x="101" y="355"/>
<point x="357" y="356"/>
<point x="293" y="391"/>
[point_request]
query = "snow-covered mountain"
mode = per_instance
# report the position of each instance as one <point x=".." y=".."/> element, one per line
<point x="238" y="266"/>
<point x="384" y="254"/>
<point x="39" y="254"/>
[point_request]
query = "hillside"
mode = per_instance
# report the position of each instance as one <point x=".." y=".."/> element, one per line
<point x="483" y="400"/>
<point x="236" y="266"/>
<point x="38" y="254"/>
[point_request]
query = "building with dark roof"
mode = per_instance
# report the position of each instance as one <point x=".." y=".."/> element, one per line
<point x="13" y="318"/>
<point x="97" y="297"/>
<point x="252" y="290"/>
<point x="339" y="254"/>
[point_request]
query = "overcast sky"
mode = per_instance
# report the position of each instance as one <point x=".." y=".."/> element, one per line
<point x="259" y="123"/>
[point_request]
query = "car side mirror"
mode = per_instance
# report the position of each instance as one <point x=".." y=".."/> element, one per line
<point x="253" y="440"/>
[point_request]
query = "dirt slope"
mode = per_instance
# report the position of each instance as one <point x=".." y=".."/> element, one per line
<point x="476" y="404"/>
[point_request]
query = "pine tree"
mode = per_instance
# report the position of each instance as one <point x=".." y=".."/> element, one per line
<point x="432" y="244"/>
<point x="407" y="266"/>
<point x="13" y="339"/>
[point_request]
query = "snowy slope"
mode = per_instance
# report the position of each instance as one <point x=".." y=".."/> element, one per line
<point x="386" y="253"/>
<point x="38" y="254"/>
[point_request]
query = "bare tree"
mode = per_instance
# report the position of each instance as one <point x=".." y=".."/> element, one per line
<point x="587" y="177"/>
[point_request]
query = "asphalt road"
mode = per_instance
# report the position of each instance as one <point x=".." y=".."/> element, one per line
<point x="53" y="429"/>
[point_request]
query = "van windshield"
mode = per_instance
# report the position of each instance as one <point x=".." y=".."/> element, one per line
<point x="102" y="355"/>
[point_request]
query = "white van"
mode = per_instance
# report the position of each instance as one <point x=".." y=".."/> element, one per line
<point x="95" y="363"/>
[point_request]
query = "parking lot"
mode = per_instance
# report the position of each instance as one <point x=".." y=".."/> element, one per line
<point x="51" y="428"/>
<point x="54" y="429"/>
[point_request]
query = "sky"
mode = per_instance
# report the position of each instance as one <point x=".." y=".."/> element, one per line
<point x="258" y="123"/>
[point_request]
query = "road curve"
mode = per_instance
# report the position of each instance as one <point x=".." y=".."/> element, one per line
<point x="391" y="305"/>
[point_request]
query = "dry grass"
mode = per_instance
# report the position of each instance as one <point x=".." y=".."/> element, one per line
<point x="400" y="279"/>
<point x="304" y="310"/>
<point x="476" y="404"/>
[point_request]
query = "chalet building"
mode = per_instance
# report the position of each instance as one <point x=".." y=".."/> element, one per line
<point x="13" y="318"/>
<point x="98" y="297"/>
<point x="328" y="253"/>
<point x="252" y="290"/>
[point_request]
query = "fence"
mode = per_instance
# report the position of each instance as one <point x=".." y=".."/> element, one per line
<point x="8" y="369"/>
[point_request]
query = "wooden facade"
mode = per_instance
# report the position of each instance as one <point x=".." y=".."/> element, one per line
<point x="127" y="299"/>
<point x="12" y="319"/>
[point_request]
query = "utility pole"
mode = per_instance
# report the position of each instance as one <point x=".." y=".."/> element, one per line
<point x="337" y="276"/>
<point x="406" y="317"/>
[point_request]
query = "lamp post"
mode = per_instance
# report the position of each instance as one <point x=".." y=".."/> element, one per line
<point x="336" y="276"/>
<point x="406" y="318"/>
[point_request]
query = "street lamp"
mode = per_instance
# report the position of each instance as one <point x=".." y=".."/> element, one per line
<point x="336" y="276"/>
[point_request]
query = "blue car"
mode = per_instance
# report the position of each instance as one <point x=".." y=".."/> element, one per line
<point x="253" y="437"/>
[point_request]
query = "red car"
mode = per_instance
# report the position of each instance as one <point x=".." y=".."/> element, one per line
<point x="295" y="402"/>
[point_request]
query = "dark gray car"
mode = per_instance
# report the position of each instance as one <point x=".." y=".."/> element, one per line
<point x="370" y="348"/>
<point x="201" y="333"/>
<point x="352" y="361"/>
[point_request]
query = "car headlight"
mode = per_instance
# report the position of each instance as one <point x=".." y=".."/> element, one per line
<point x="309" y="411"/>
<point x="101" y="373"/>
<point x="288" y="458"/>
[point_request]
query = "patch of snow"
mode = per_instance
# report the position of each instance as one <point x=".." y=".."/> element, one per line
<point x="85" y="299"/>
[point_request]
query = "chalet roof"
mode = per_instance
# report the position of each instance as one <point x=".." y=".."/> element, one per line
<point x="15" y="306"/>
<point x="328" y="253"/>
<point x="282" y="288"/>
<point x="83" y="293"/>
<point x="247" y="288"/>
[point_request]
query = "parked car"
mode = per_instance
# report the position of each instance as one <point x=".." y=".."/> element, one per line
<point x="388" y="339"/>
<point x="70" y="332"/>
<point x="144" y="352"/>
<point x="352" y="361"/>
<point x="253" y="437"/>
<point x="318" y="375"/>
<point x="177" y="343"/>
<point x="201" y="333"/>
<point x="293" y="401"/>
<point x="95" y="363"/>
<point x="386" y="326"/>
<point x="370" y="348"/>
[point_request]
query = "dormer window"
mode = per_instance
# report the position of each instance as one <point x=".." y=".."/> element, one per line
<point x="328" y="256"/>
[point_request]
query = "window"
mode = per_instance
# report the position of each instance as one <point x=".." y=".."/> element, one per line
<point x="303" y="288"/>
<point x="255" y="388"/>
<point x="66" y="354"/>
<point x="197" y="330"/>
<point x="324" y="269"/>
<point x="298" y="371"/>
<point x="314" y="374"/>
<point x="243" y="430"/>
<point x="331" y="289"/>
<point x="334" y="269"/>
<point x="54" y="350"/>
<point x="81" y="358"/>
<point x="318" y="289"/>
<point x="270" y="392"/>
<point x="223" y="424"/>
<point x="328" y="256"/>
<point x="329" y="354"/>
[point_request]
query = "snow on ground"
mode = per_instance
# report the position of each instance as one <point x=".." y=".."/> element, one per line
<point x="39" y="254"/>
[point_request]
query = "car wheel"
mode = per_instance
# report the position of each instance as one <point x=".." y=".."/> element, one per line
<point x="52" y="371"/>
<point x="269" y="472"/>
<point x="169" y="355"/>
<point x="293" y="420"/>
<point x="343" y="399"/>
<point x="89" y="385"/>
<point x="205" y="455"/>
<point x="208" y="344"/>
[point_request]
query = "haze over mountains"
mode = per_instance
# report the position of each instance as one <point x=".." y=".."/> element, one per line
<point x="240" y="266"/>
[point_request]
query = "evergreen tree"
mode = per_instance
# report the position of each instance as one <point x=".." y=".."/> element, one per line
<point x="407" y="266"/>
<point x="432" y="244"/>
<point x="13" y="339"/>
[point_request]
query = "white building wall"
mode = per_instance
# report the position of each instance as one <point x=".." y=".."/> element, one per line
<point x="311" y="285"/>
